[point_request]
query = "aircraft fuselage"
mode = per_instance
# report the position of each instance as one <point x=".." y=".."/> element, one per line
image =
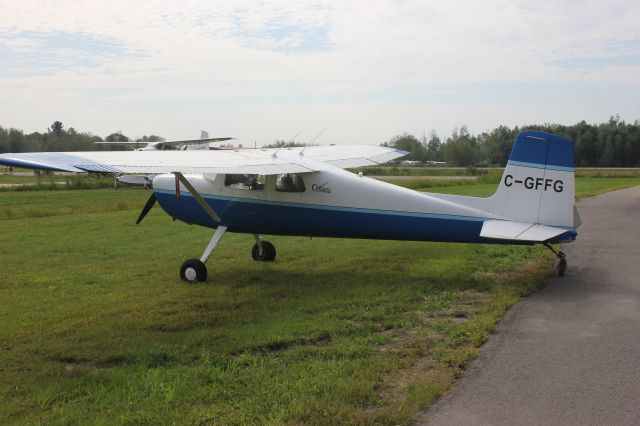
<point x="334" y="203"/>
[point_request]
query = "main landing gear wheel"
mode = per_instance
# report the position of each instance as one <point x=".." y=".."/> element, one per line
<point x="562" y="259"/>
<point x="562" y="266"/>
<point x="267" y="254"/>
<point x="193" y="270"/>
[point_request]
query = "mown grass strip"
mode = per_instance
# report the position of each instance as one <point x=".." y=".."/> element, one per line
<point x="585" y="186"/>
<point x="54" y="182"/>
<point x="37" y="204"/>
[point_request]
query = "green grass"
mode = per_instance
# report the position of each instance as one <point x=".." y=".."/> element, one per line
<point x="606" y="172"/>
<point x="18" y="179"/>
<point x="603" y="172"/>
<point x="593" y="186"/>
<point x="426" y="171"/>
<point x="585" y="186"/>
<point x="19" y="205"/>
<point x="96" y="327"/>
<point x="10" y="183"/>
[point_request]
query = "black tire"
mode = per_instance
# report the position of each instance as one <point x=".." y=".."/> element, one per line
<point x="562" y="267"/>
<point x="193" y="270"/>
<point x="268" y="252"/>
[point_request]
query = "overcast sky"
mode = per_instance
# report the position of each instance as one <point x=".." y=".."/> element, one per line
<point x="364" y="70"/>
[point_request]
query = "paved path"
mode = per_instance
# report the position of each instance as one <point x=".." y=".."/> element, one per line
<point x="569" y="354"/>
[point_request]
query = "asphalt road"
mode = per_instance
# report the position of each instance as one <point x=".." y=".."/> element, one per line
<point x="569" y="354"/>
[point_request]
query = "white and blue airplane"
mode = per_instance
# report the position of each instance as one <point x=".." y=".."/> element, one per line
<point x="307" y="192"/>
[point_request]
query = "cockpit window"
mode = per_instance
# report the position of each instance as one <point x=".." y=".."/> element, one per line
<point x="290" y="182"/>
<point x="249" y="182"/>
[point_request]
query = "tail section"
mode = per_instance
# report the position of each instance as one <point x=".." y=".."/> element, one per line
<point x="538" y="185"/>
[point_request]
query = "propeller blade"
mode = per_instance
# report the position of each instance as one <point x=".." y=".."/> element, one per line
<point x="150" y="202"/>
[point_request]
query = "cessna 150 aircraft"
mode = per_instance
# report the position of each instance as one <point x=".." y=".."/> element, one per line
<point x="306" y="192"/>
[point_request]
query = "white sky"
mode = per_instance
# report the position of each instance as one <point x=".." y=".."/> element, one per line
<point x="365" y="70"/>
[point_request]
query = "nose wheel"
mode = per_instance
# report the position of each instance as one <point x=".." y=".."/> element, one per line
<point x="193" y="270"/>
<point x="562" y="259"/>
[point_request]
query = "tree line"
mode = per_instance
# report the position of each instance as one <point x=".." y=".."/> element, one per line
<point x="614" y="143"/>
<point x="57" y="138"/>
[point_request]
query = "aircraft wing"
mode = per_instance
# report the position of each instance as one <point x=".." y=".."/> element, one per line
<point x="349" y="156"/>
<point x="520" y="231"/>
<point x="250" y="161"/>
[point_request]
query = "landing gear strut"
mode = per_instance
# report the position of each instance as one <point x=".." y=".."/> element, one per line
<point x="193" y="270"/>
<point x="562" y="259"/>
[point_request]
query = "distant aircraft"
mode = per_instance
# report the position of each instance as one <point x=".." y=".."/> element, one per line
<point x="163" y="145"/>
<point x="306" y="192"/>
<point x="146" y="180"/>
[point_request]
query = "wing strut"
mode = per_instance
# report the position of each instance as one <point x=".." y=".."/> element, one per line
<point x="207" y="208"/>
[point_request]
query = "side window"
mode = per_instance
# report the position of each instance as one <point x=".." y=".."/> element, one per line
<point x="249" y="182"/>
<point x="290" y="182"/>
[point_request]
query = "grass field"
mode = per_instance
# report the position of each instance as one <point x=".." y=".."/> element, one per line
<point x="96" y="327"/>
<point x="29" y="182"/>
<point x="606" y="172"/>
<point x="484" y="187"/>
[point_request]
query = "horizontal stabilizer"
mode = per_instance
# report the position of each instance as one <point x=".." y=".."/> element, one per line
<point x="521" y="231"/>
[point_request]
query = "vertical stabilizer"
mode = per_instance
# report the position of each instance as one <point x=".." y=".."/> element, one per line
<point x="538" y="183"/>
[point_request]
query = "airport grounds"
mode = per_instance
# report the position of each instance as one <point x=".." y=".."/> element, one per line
<point x="96" y="326"/>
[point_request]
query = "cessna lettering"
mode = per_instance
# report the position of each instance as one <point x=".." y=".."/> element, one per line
<point x="321" y="188"/>
<point x="536" y="183"/>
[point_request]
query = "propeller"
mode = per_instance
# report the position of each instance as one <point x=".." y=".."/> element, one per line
<point x="150" y="202"/>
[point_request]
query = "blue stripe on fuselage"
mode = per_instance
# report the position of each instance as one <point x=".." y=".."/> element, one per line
<point x="281" y="218"/>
